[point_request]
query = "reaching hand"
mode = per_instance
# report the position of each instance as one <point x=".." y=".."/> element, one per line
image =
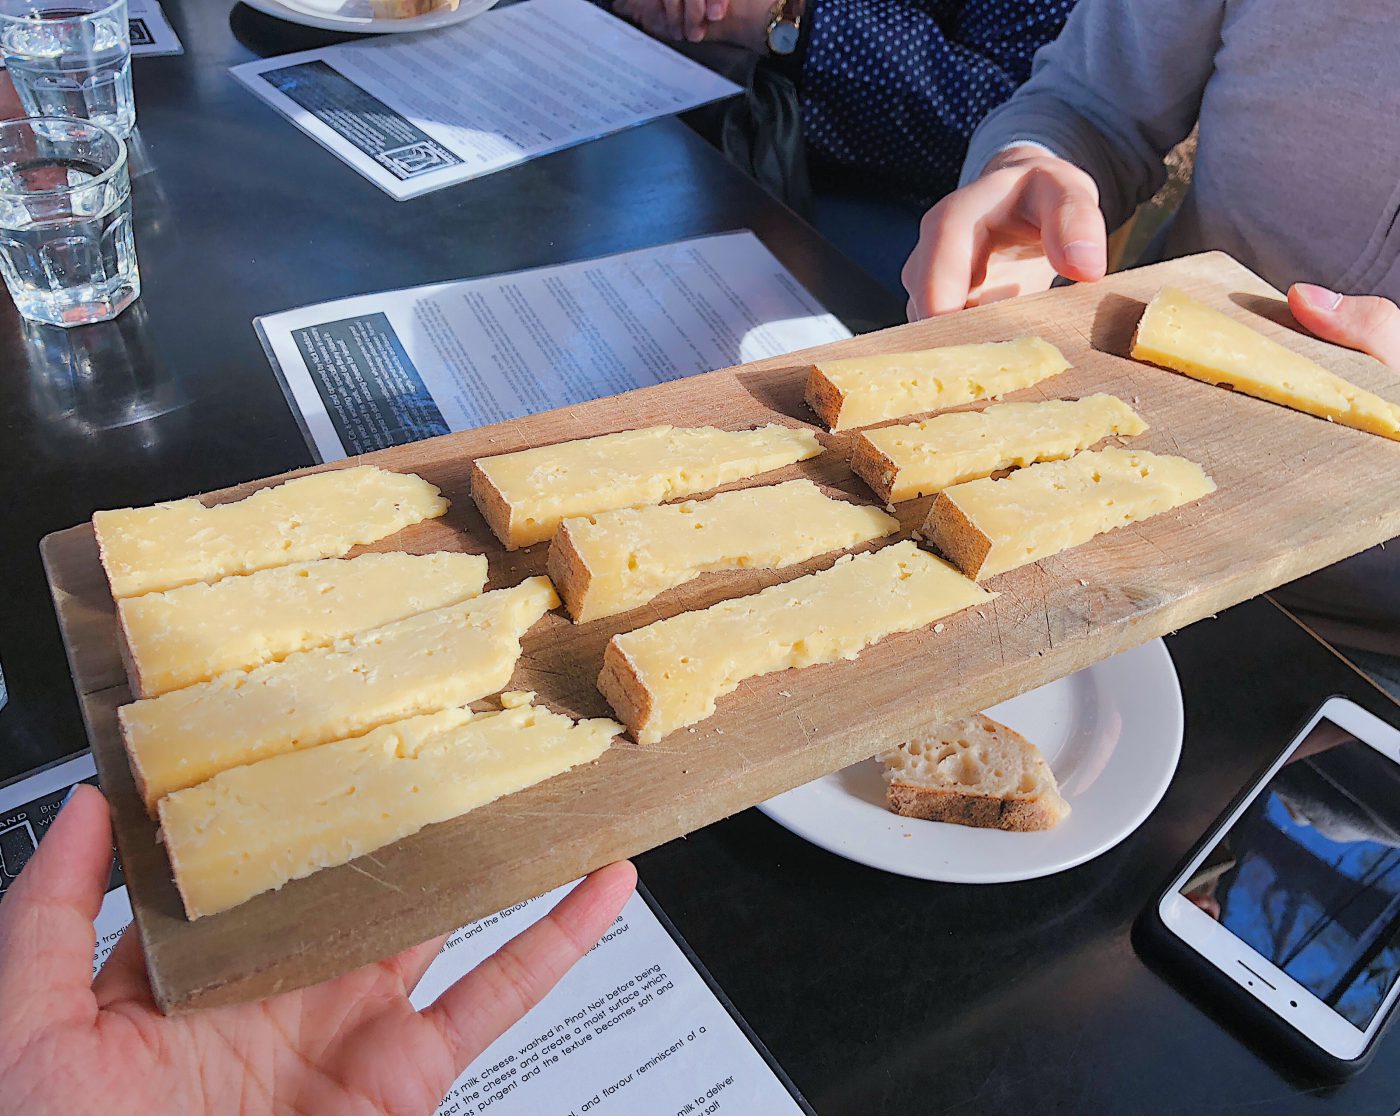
<point x="1363" y="322"/>
<point x="1029" y="217"/>
<point x="742" y="22"/>
<point x="353" y="1046"/>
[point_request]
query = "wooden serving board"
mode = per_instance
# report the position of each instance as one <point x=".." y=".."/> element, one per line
<point x="1295" y="494"/>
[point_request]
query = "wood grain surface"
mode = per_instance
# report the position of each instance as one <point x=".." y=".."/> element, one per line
<point x="1295" y="494"/>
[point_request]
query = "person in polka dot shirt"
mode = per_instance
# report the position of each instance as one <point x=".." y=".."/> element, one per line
<point x="890" y="90"/>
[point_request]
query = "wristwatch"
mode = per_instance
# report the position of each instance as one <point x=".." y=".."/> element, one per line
<point x="785" y="28"/>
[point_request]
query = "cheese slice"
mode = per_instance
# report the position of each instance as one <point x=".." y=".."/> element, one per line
<point x="435" y="660"/>
<point x="618" y="560"/>
<point x="903" y="462"/>
<point x="670" y="674"/>
<point x="323" y="515"/>
<point x="251" y="829"/>
<point x="858" y="391"/>
<point x="989" y="526"/>
<point x="524" y="495"/>
<point x="190" y="634"/>
<point x="1187" y="336"/>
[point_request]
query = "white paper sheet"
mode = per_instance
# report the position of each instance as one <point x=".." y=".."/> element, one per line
<point x="151" y="32"/>
<point x="415" y="113"/>
<point x="27" y="807"/>
<point x="383" y="369"/>
<point x="632" y="1029"/>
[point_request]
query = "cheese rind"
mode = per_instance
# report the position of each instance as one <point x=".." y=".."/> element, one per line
<point x="904" y="462"/>
<point x="251" y="829"/>
<point x="524" y="495"/>
<point x="671" y="673"/>
<point x="323" y="515"/>
<point x="190" y="634"/>
<point x="1189" y="337"/>
<point x="447" y="657"/>
<point x="990" y="526"/>
<point x="619" y="560"/>
<point x="858" y="391"/>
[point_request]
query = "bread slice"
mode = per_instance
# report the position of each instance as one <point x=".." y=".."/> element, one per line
<point x="407" y="9"/>
<point x="975" y="772"/>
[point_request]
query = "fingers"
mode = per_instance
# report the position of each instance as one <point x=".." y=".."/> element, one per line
<point x="716" y="10"/>
<point x="694" y="20"/>
<point x="1063" y="203"/>
<point x="410" y="965"/>
<point x="123" y="978"/>
<point x="1362" y="322"/>
<point x="492" y="997"/>
<point x="46" y="934"/>
<point x="675" y="18"/>
<point x="1033" y="207"/>
<point x="940" y="272"/>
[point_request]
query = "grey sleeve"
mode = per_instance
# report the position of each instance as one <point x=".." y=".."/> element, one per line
<point x="1119" y="88"/>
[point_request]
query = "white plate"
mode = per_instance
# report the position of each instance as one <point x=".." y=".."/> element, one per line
<point x="1112" y="735"/>
<point x="356" y="15"/>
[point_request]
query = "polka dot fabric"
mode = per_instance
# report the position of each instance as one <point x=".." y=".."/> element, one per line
<point x="892" y="90"/>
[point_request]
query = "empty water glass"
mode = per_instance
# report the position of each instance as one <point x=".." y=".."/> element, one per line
<point x="66" y="249"/>
<point x="70" y="58"/>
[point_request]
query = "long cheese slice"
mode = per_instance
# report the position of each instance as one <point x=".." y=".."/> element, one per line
<point x="447" y="657"/>
<point x="902" y="462"/>
<point x="251" y="829"/>
<point x="621" y="559"/>
<point x="860" y="390"/>
<point x="989" y="526"/>
<point x="324" y="515"/>
<point x="1187" y="336"/>
<point x="670" y="674"/>
<point x="524" y="495"/>
<point x="190" y="634"/>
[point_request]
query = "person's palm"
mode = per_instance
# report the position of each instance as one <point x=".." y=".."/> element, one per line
<point x="350" y="1046"/>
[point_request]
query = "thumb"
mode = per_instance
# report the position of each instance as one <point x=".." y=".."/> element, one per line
<point x="46" y="934"/>
<point x="1364" y="322"/>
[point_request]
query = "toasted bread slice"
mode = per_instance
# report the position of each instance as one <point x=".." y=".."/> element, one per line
<point x="974" y="772"/>
<point x="407" y="9"/>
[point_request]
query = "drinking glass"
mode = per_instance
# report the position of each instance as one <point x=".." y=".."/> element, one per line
<point x="66" y="249"/>
<point x="70" y="58"/>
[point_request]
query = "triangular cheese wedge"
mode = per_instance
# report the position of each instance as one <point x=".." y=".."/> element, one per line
<point x="1187" y="336"/>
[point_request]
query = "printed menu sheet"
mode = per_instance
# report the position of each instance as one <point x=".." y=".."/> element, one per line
<point x="418" y="112"/>
<point x="633" y="1028"/>
<point x="379" y="370"/>
<point x="151" y="32"/>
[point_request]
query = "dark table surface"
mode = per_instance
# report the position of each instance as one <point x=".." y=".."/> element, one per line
<point x="878" y="994"/>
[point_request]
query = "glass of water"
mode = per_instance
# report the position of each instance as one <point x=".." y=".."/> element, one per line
<point x="70" y="58"/>
<point x="66" y="249"/>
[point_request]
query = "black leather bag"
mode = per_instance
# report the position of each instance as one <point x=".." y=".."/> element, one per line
<point x="760" y="131"/>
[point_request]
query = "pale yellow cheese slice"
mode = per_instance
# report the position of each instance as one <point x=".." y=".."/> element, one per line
<point x="671" y="673"/>
<point x="190" y="634"/>
<point x="324" y="515"/>
<point x="524" y="495"/>
<point x="989" y="526"/>
<point x="858" y="391"/>
<point x="1187" y="336"/>
<point x="621" y="559"/>
<point x="450" y="656"/>
<point x="253" y="828"/>
<point x="921" y="458"/>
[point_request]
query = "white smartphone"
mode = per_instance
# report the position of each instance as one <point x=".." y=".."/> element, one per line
<point x="1294" y="898"/>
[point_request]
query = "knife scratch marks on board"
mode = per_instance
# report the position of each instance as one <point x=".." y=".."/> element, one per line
<point x="376" y="879"/>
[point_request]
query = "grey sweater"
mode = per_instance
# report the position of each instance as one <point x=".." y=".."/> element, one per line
<point x="1297" y="171"/>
